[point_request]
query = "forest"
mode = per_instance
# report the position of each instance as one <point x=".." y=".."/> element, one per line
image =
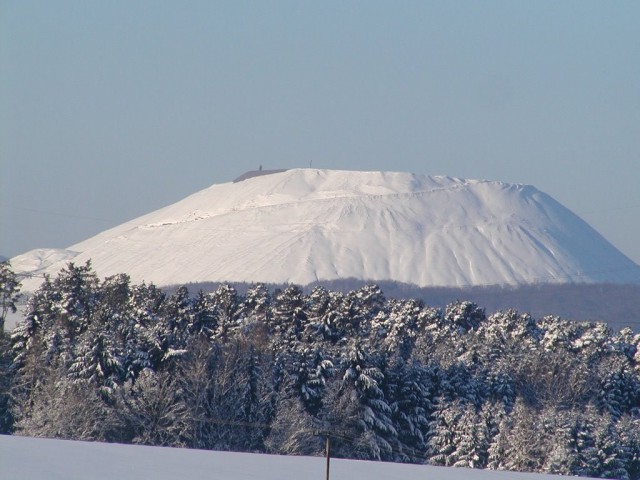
<point x="279" y="370"/>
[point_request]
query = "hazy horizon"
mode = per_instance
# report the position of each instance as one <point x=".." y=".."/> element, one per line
<point x="113" y="110"/>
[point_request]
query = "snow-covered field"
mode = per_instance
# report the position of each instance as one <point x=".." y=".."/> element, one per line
<point x="23" y="458"/>
<point x="305" y="225"/>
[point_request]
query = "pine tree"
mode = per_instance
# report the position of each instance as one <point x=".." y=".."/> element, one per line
<point x="77" y="287"/>
<point x="226" y="304"/>
<point x="239" y="399"/>
<point x="567" y="438"/>
<point x="619" y="391"/>
<point x="442" y="438"/>
<point x="326" y="320"/>
<point x="494" y="414"/>
<point x="394" y="330"/>
<point x="148" y="335"/>
<point x="357" y="408"/>
<point x="464" y="316"/>
<point x="499" y="445"/>
<point x="256" y="303"/>
<point x="97" y="362"/>
<point x="409" y="390"/>
<point x="628" y="429"/>
<point x="471" y="449"/>
<point x="359" y="307"/>
<point x="30" y="354"/>
<point x="288" y="320"/>
<point x="612" y="454"/>
<point x="6" y="379"/>
<point x="203" y="320"/>
<point x="9" y="292"/>
<point x="195" y="376"/>
<point x="525" y="439"/>
<point x="178" y="312"/>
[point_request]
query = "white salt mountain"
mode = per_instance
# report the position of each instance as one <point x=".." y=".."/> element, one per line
<point x="305" y="225"/>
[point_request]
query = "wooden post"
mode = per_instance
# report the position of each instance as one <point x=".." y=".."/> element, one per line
<point x="328" y="449"/>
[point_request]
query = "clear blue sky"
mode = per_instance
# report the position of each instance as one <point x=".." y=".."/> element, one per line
<point x="109" y="110"/>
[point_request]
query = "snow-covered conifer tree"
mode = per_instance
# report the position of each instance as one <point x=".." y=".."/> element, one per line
<point x="9" y="292"/>
<point x="471" y="442"/>
<point x="356" y="407"/>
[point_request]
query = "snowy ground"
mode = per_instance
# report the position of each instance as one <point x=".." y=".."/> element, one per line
<point x="23" y="458"/>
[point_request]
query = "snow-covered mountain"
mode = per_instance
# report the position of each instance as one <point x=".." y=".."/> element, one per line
<point x="307" y="225"/>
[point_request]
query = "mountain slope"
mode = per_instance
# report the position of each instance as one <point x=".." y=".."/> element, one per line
<point x="306" y="225"/>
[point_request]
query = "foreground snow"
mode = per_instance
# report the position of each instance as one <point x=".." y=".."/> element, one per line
<point x="23" y="458"/>
<point x="305" y="225"/>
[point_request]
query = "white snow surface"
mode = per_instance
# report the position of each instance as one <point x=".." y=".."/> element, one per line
<point x="23" y="458"/>
<point x="305" y="225"/>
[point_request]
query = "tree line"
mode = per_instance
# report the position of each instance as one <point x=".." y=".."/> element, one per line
<point x="275" y="370"/>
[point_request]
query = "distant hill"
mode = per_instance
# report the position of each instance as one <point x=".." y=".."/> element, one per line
<point x="305" y="225"/>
